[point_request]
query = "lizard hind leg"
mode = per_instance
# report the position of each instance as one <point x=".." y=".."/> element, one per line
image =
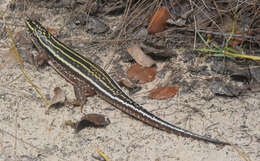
<point x="42" y="57"/>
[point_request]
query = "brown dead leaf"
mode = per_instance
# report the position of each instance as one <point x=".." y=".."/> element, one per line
<point x="93" y="119"/>
<point x="237" y="40"/>
<point x="52" y="31"/>
<point x="139" y="56"/>
<point x="158" y="20"/>
<point x="238" y="29"/>
<point x="59" y="96"/>
<point x="137" y="73"/>
<point x="126" y="82"/>
<point x="163" y="92"/>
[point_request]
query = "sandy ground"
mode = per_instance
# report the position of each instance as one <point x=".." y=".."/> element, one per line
<point x="27" y="133"/>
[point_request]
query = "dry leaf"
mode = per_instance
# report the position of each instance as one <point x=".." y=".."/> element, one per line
<point x="59" y="96"/>
<point x="238" y="29"/>
<point x="163" y="92"/>
<point x="126" y="82"/>
<point x="95" y="120"/>
<point x="136" y="52"/>
<point x="52" y="31"/>
<point x="137" y="73"/>
<point x="237" y="40"/>
<point x="158" y="20"/>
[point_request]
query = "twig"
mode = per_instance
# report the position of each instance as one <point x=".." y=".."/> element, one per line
<point x="195" y="27"/>
<point x="102" y="154"/>
<point x="224" y="34"/>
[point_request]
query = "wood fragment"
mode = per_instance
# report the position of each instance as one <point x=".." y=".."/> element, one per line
<point x="140" y="57"/>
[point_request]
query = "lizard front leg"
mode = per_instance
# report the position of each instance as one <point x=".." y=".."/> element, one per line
<point x="81" y="94"/>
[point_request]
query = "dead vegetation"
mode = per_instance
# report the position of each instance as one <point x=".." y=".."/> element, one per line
<point x="219" y="40"/>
